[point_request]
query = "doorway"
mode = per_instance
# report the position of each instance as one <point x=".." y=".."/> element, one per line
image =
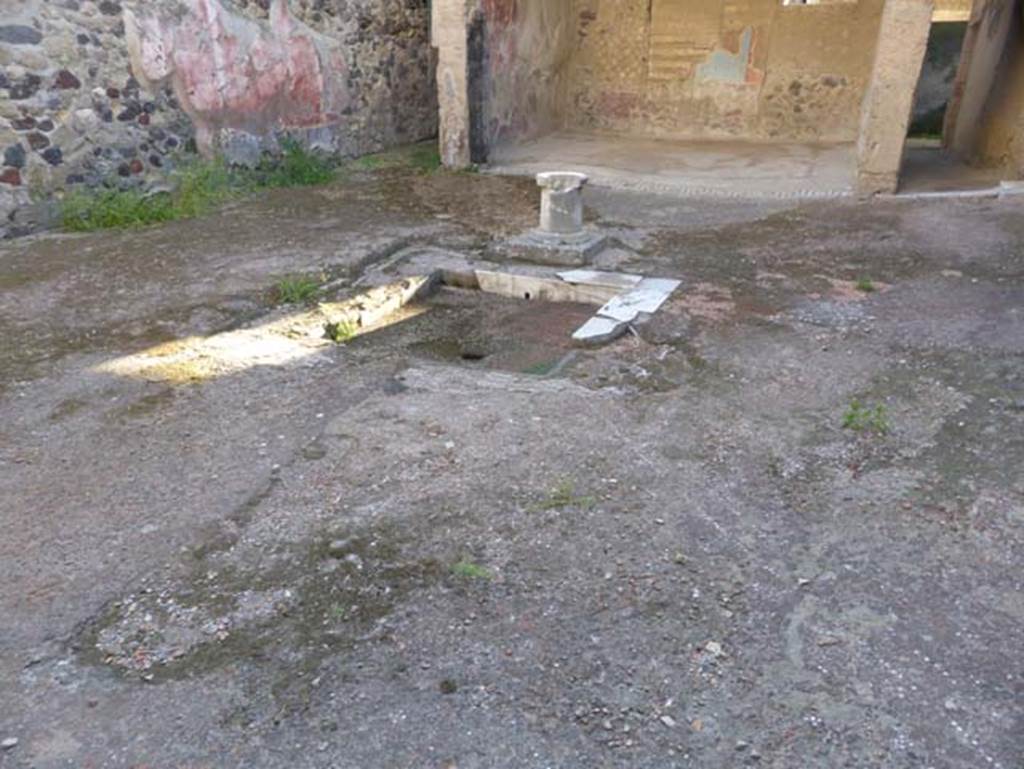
<point x="928" y="165"/>
<point x="961" y="99"/>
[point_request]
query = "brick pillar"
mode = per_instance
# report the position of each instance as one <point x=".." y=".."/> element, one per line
<point x="885" y="118"/>
<point x="449" y="35"/>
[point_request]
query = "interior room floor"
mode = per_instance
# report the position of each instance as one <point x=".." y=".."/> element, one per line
<point x="712" y="168"/>
<point x="929" y="168"/>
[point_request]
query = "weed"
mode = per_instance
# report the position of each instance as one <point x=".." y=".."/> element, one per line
<point x="423" y="158"/>
<point x="198" y="186"/>
<point x="861" y="418"/>
<point x="340" y="332"/>
<point x="296" y="289"/>
<point x="469" y="570"/>
<point x="562" y="496"/>
<point x="297" y="167"/>
<point x="109" y="209"/>
<point x="541" y="369"/>
<point x="866" y="285"/>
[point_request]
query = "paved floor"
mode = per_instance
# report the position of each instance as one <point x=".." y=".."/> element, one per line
<point x="708" y="168"/>
<point x="931" y="169"/>
<point x="781" y="525"/>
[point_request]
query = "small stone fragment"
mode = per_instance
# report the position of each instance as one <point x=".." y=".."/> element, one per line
<point x="668" y="721"/>
<point x="714" y="649"/>
<point x="20" y="34"/>
<point x="599" y="330"/>
<point x="340" y="547"/>
<point x="53" y="155"/>
<point x="37" y="141"/>
<point x="9" y="742"/>
<point x="14" y="156"/>
<point x="66" y="80"/>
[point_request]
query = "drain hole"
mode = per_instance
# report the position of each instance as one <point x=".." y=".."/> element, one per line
<point x="527" y="295"/>
<point x="473" y="355"/>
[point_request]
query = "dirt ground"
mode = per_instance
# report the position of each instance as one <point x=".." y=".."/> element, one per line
<point x="460" y="542"/>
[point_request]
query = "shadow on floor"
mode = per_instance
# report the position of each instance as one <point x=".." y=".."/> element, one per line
<point x="929" y="168"/>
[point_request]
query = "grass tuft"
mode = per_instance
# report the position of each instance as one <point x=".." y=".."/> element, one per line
<point x="564" y="495"/>
<point x="866" y="285"/>
<point x="199" y="186"/>
<point x="296" y="289"/>
<point x="297" y="167"/>
<point x="111" y="209"/>
<point x="861" y="418"/>
<point x="469" y="570"/>
<point x="340" y="332"/>
<point x="423" y="158"/>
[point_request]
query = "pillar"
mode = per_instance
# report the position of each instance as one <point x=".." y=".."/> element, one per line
<point x="981" y="65"/>
<point x="561" y="202"/>
<point x="889" y="102"/>
<point x="449" y="36"/>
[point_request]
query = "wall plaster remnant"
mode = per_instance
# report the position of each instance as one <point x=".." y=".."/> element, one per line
<point x="232" y="72"/>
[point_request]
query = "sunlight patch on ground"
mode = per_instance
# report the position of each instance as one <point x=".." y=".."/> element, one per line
<point x="277" y="342"/>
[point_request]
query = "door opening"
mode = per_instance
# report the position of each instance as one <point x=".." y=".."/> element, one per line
<point x="928" y="165"/>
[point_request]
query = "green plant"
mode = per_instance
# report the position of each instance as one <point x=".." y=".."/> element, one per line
<point x="197" y="187"/>
<point x="296" y="167"/>
<point x="866" y="285"/>
<point x="541" y="369"/>
<point x="423" y="158"/>
<point x="296" y="289"/>
<point x="340" y="332"/>
<point x="564" y="495"/>
<point x="469" y="570"/>
<point x="861" y="418"/>
<point x="111" y="209"/>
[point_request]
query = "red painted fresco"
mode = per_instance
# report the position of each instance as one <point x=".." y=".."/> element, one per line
<point x="229" y="71"/>
<point x="618" y="104"/>
<point x="499" y="13"/>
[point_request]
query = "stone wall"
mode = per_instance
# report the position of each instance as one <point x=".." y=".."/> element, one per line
<point x="981" y="69"/>
<point x="1000" y="140"/>
<point x="519" y="57"/>
<point x="99" y="90"/>
<point x="749" y="69"/>
<point x="743" y="69"/>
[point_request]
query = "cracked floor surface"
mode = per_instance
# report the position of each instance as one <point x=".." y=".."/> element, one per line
<point x="458" y="541"/>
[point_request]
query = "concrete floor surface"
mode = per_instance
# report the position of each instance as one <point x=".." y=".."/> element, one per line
<point x="778" y="526"/>
<point x="699" y="168"/>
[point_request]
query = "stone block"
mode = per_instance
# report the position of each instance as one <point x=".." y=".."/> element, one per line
<point x="561" y="202"/>
<point x="599" y="330"/>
